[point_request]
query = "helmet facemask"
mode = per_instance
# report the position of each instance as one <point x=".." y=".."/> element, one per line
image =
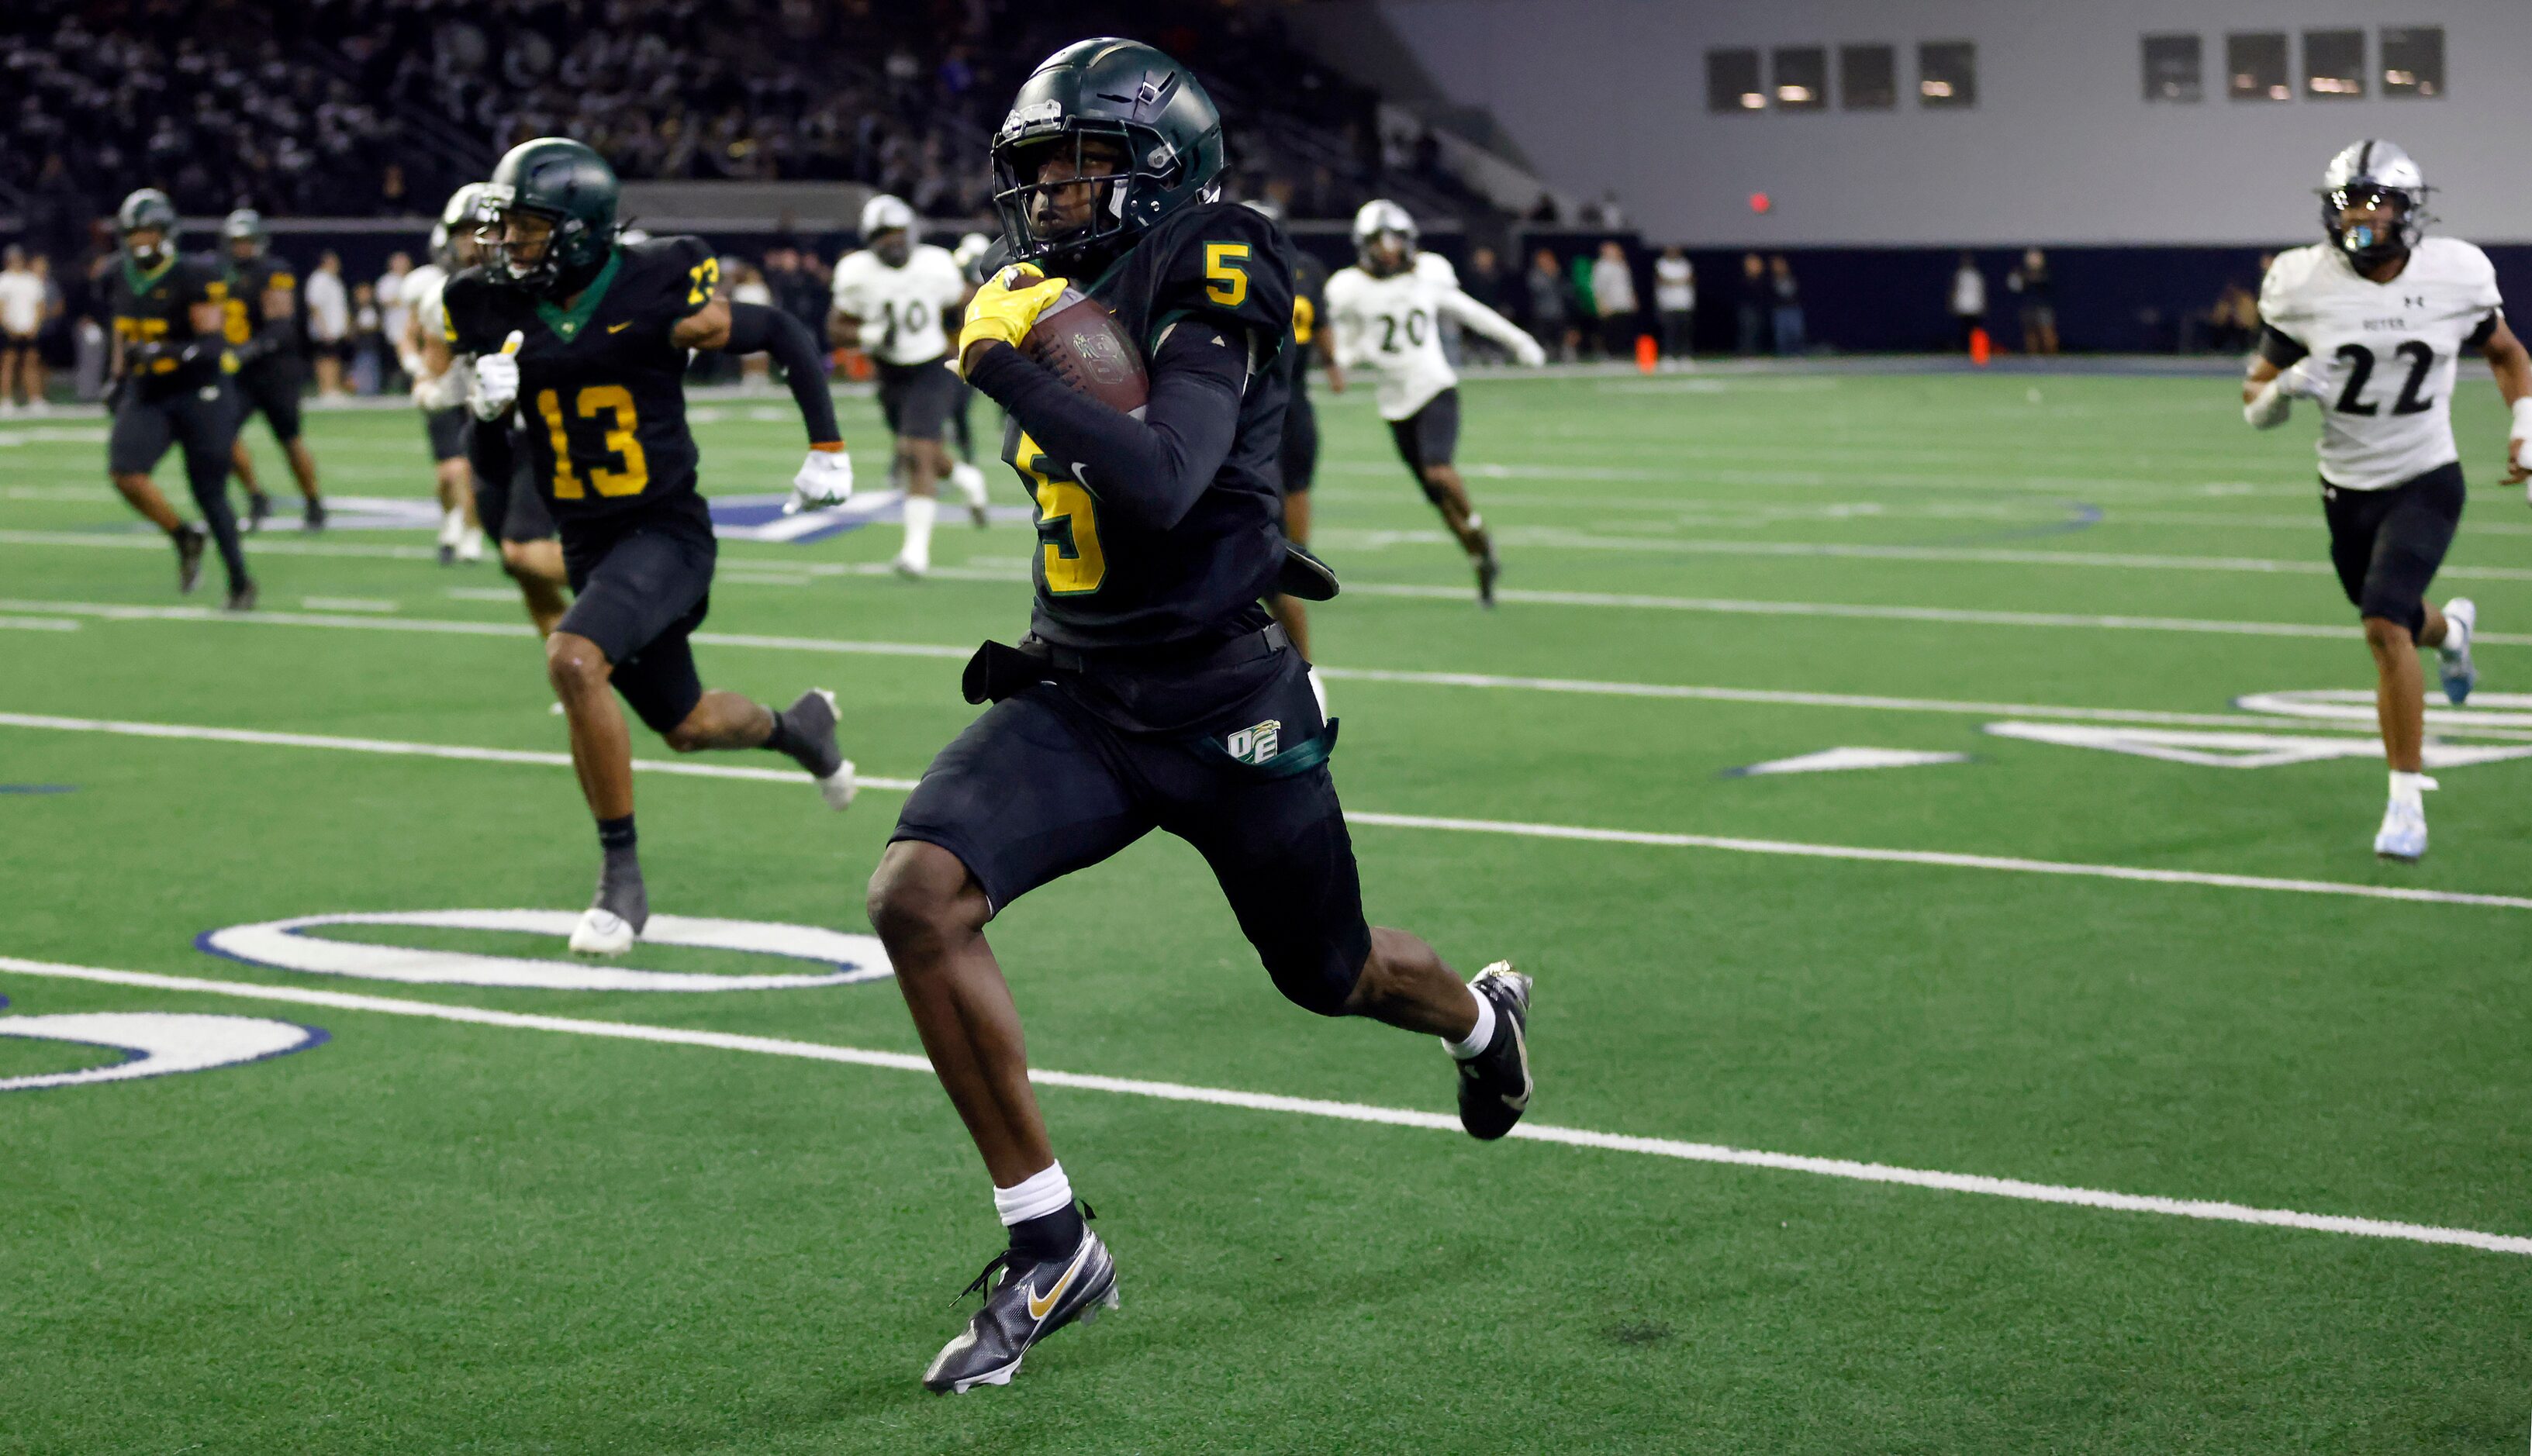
<point x="2370" y="242"/>
<point x="554" y="260"/>
<point x="1073" y="193"/>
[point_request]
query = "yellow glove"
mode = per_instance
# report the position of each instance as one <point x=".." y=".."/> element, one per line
<point x="1005" y="307"/>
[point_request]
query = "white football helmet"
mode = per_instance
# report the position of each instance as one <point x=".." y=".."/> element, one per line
<point x="1375" y="219"/>
<point x="459" y="217"/>
<point x="2376" y="172"/>
<point x="885" y="214"/>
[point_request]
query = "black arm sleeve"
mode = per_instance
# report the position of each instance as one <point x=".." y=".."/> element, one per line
<point x="757" y="329"/>
<point x="1151" y="469"/>
<point x="2279" y="349"/>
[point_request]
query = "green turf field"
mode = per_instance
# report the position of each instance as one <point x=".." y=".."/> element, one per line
<point x="2073" y="964"/>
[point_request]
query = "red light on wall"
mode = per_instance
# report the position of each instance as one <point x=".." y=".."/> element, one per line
<point x="1759" y="202"/>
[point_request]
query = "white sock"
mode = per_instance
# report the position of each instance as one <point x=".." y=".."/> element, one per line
<point x="970" y="482"/>
<point x="2408" y="789"/>
<point x="1044" y="1192"/>
<point x="1481" y="1035"/>
<point x="919" y="511"/>
<point x="452" y="524"/>
<point x="1320" y="691"/>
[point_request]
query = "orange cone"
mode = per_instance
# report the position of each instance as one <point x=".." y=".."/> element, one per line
<point x="1980" y="348"/>
<point x="1647" y="353"/>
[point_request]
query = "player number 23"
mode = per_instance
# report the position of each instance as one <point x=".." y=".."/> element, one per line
<point x="632" y="472"/>
<point x="706" y="276"/>
<point x="1226" y="281"/>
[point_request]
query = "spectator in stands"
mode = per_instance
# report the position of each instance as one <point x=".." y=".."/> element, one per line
<point x="1969" y="301"/>
<point x="2038" y="303"/>
<point x="368" y="341"/>
<point x="1551" y="318"/>
<point x="329" y="323"/>
<point x="1675" y="301"/>
<point x="1789" y="305"/>
<point x="1751" y="305"/>
<point x="1613" y="293"/>
<point x="393" y="309"/>
<point x="22" y="321"/>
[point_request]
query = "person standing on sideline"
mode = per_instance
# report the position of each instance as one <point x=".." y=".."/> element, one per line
<point x="1549" y="318"/>
<point x="2038" y="303"/>
<point x="1789" y="305"/>
<point x="21" y="319"/>
<point x="1675" y="301"/>
<point x="329" y="323"/>
<point x="1613" y="292"/>
<point x="394" y="308"/>
<point x="1750" y="337"/>
<point x="1969" y="302"/>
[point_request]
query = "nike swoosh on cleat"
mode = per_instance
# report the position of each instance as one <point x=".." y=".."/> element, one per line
<point x="1037" y="1308"/>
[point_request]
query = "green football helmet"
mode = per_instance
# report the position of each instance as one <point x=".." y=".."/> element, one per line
<point x="1137" y="125"/>
<point x="147" y="209"/>
<point x="568" y="185"/>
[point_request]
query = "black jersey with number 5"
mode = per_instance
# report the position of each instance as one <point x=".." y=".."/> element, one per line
<point x="1105" y="582"/>
<point x="601" y="388"/>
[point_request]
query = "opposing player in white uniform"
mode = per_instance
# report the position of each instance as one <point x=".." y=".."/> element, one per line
<point x="898" y="300"/>
<point x="440" y="387"/>
<point x="491" y="460"/>
<point x="2371" y="326"/>
<point x="1387" y="311"/>
<point x="969" y="255"/>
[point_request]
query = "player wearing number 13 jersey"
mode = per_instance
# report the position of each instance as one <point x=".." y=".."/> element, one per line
<point x="1153" y="691"/>
<point x="2371" y="326"/>
<point x="588" y="338"/>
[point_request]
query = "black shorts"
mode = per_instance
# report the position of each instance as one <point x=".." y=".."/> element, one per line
<point x="506" y="502"/>
<point x="917" y="399"/>
<point x="147" y="425"/>
<point x="270" y="386"/>
<point x="1430" y="436"/>
<point x="641" y="587"/>
<point x="2387" y="544"/>
<point x="1042" y="785"/>
<point x="446" y="429"/>
<point x="1300" y="457"/>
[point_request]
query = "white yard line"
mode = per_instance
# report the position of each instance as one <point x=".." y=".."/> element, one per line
<point x="39" y="624"/>
<point x="1942" y="859"/>
<point x="1703" y="1152"/>
<point x="946" y="652"/>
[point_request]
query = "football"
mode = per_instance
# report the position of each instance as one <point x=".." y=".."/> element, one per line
<point x="1085" y="346"/>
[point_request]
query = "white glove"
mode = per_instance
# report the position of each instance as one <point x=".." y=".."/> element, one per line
<point x="496" y="379"/>
<point x="2303" y="382"/>
<point x="1528" y="354"/>
<point x="436" y="394"/>
<point x="825" y="480"/>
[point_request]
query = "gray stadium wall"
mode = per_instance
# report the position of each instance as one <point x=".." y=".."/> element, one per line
<point x="2061" y="147"/>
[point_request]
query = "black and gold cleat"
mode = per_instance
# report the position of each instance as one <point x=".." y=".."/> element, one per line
<point x="1034" y="1299"/>
<point x="1495" y="1084"/>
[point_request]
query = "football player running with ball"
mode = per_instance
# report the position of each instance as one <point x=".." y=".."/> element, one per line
<point x="171" y="369"/>
<point x="2371" y="326"/>
<point x="897" y="298"/>
<point x="1388" y="311"/>
<point x="1153" y="691"/>
<point x="588" y="337"/>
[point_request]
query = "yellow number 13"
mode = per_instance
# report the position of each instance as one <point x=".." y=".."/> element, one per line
<point x="615" y="402"/>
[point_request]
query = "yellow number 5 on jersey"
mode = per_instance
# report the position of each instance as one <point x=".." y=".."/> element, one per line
<point x="1229" y="285"/>
<point x="1067" y="528"/>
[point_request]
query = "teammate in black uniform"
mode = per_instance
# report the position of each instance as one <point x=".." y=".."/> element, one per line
<point x="171" y="371"/>
<point x="588" y="338"/>
<point x="1153" y="691"/>
<point x="1297" y="461"/>
<point x="257" y="316"/>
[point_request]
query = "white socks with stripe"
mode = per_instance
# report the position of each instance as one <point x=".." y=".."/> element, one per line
<point x="1041" y="1192"/>
<point x="1481" y="1035"/>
